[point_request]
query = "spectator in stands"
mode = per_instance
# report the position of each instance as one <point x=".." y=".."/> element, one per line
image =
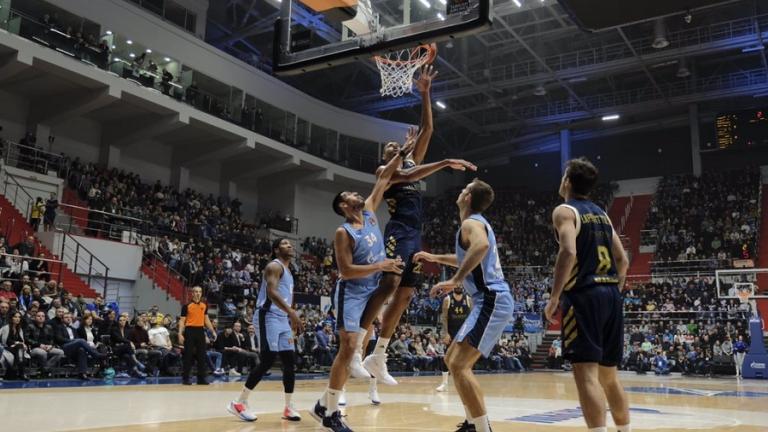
<point x="77" y="350"/>
<point x="49" y="217"/>
<point x="41" y="344"/>
<point x="661" y="364"/>
<point x="87" y="331"/>
<point x="6" y="291"/>
<point x="12" y="340"/>
<point x="160" y="339"/>
<point x="123" y="348"/>
<point x="36" y="214"/>
<point x="145" y="353"/>
<point x="251" y="346"/>
<point x="25" y="248"/>
<point x="399" y="349"/>
<point x="323" y="352"/>
<point x="422" y="360"/>
<point x="230" y="345"/>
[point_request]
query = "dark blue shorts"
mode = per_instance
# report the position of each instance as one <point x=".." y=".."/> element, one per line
<point x="404" y="241"/>
<point x="593" y="325"/>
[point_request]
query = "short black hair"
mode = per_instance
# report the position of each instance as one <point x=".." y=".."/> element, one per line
<point x="482" y="196"/>
<point x="337" y="200"/>
<point x="582" y="175"/>
<point x="276" y="245"/>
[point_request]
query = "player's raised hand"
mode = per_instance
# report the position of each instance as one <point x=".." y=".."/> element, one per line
<point x="392" y="265"/>
<point x="410" y="140"/>
<point x="423" y="257"/>
<point x="426" y="75"/>
<point x="461" y="165"/>
<point x="442" y="288"/>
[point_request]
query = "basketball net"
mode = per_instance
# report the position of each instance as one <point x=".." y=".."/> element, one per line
<point x="397" y="69"/>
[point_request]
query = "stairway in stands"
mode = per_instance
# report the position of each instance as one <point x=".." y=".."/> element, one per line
<point x="163" y="278"/>
<point x="19" y="228"/>
<point x="762" y="256"/>
<point x="635" y="223"/>
<point x="542" y="351"/>
<point x="79" y="215"/>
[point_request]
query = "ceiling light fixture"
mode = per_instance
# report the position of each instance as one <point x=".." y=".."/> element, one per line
<point x="440" y="105"/>
<point x="611" y="117"/>
<point x="439" y="15"/>
<point x="129" y="42"/>
<point x="167" y="59"/>
<point x="540" y="90"/>
<point x="109" y="32"/>
<point x="426" y="4"/>
<point x="753" y="48"/>
<point x="660" y="34"/>
<point x="132" y="55"/>
<point x="149" y="51"/>
<point x="517" y="3"/>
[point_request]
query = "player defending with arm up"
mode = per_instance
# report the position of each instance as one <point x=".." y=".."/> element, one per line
<point x="360" y="256"/>
<point x="590" y="268"/>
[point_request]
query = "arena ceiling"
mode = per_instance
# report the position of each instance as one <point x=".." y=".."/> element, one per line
<point x="509" y="89"/>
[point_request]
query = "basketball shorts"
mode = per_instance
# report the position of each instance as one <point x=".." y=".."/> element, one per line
<point x="404" y="241"/>
<point x="593" y="325"/>
<point x="490" y="314"/>
<point x="275" y="332"/>
<point x="349" y="301"/>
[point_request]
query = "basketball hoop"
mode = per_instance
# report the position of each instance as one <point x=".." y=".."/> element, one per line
<point x="397" y="68"/>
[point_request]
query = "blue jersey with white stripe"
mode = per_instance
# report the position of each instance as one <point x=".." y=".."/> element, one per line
<point x="487" y="276"/>
<point x="368" y="247"/>
<point x="284" y="288"/>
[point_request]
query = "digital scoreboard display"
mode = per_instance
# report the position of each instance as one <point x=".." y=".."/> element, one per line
<point x="742" y="129"/>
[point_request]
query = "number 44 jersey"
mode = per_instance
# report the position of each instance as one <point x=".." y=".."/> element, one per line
<point x="594" y="238"/>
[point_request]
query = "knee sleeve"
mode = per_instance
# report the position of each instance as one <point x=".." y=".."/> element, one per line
<point x="288" y="358"/>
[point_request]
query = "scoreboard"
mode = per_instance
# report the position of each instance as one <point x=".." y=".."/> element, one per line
<point x="742" y="129"/>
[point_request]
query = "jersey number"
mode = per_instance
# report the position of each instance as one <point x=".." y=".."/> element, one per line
<point x="370" y="239"/>
<point x="604" y="260"/>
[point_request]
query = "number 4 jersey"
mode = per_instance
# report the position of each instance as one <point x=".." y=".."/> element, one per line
<point x="594" y="238"/>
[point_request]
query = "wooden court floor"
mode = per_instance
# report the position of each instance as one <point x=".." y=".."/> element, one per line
<point x="516" y="402"/>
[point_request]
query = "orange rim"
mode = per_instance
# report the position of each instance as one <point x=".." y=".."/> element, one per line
<point x="427" y="47"/>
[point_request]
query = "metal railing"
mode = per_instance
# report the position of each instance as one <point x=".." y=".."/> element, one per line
<point x="15" y="193"/>
<point x="84" y="263"/>
<point x="689" y="266"/>
<point x="153" y="262"/>
<point x="99" y="223"/>
<point x="625" y="215"/>
<point x="53" y="267"/>
<point x="32" y="158"/>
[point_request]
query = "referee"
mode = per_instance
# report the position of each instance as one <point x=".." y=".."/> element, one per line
<point x="194" y="320"/>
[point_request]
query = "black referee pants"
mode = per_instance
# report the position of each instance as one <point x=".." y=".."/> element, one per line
<point x="194" y="351"/>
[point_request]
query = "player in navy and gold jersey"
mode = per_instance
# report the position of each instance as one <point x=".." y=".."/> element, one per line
<point x="590" y="269"/>
<point x="402" y="235"/>
<point x="453" y="313"/>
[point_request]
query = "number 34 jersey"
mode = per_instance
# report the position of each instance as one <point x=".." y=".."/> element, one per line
<point x="594" y="260"/>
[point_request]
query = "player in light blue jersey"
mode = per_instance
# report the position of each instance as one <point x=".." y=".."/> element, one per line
<point x="359" y="247"/>
<point x="277" y="322"/>
<point x="479" y="271"/>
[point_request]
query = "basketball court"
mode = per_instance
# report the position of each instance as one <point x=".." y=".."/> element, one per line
<point x="516" y="402"/>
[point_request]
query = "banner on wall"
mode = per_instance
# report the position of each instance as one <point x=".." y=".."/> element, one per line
<point x="325" y="304"/>
<point x="532" y="323"/>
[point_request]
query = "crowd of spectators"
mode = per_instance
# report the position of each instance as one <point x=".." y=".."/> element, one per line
<point x="715" y="216"/>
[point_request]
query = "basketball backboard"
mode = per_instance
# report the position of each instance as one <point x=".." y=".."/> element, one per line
<point x="315" y="34"/>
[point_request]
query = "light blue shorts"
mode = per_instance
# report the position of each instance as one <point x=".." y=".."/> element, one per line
<point x="350" y="301"/>
<point x="490" y="314"/>
<point x="275" y="332"/>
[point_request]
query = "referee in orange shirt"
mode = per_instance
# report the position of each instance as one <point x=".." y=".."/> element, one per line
<point x="194" y="320"/>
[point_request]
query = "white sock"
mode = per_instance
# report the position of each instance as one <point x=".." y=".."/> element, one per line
<point x="481" y="424"/>
<point x="288" y="397"/>
<point x="381" y="346"/>
<point x="626" y="428"/>
<point x="324" y="399"/>
<point x="359" y="344"/>
<point x="244" y="395"/>
<point x="599" y="429"/>
<point x="445" y="378"/>
<point x="372" y="384"/>
<point x="333" y="401"/>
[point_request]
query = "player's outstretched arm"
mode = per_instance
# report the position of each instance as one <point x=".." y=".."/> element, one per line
<point x="475" y="233"/>
<point x="422" y="171"/>
<point x="426" y="127"/>
<point x="564" y="221"/>
<point x="348" y="270"/>
<point x="447" y="259"/>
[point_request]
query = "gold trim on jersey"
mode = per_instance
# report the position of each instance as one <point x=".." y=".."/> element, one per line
<point x="569" y="326"/>
<point x="573" y="277"/>
<point x="390" y="246"/>
<point x="572" y="338"/>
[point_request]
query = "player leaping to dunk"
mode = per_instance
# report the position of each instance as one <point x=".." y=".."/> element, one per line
<point x="403" y="231"/>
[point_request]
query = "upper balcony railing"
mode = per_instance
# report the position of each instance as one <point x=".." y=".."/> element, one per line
<point x="85" y="41"/>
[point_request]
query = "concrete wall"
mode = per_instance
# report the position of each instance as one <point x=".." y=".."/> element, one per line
<point x="146" y="296"/>
<point x="127" y="19"/>
<point x="123" y="260"/>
